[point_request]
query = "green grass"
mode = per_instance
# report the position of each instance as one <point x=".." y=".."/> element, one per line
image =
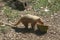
<point x="10" y="13"/>
<point x="52" y="5"/>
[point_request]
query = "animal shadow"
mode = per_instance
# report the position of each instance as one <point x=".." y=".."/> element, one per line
<point x="39" y="33"/>
<point x="23" y="30"/>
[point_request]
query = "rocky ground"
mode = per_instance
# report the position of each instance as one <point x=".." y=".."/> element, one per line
<point x="17" y="33"/>
<point x="53" y="32"/>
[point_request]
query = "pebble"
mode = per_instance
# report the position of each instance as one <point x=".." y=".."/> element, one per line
<point x="55" y="13"/>
<point x="52" y="15"/>
<point x="56" y="16"/>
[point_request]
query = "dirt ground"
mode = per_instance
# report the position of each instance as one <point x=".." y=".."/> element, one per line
<point x="17" y="33"/>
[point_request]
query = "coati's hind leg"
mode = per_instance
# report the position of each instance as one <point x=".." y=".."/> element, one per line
<point x="26" y="25"/>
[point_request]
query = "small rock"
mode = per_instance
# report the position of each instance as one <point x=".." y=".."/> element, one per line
<point x="52" y="15"/>
<point x="55" y="13"/>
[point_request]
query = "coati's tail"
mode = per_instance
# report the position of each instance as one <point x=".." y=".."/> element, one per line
<point x="17" y="22"/>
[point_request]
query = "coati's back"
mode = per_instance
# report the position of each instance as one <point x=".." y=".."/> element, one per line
<point x="26" y="19"/>
<point x="35" y="18"/>
<point x="32" y="17"/>
<point x="29" y="19"/>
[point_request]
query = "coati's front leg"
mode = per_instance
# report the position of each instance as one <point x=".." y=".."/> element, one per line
<point x="33" y="26"/>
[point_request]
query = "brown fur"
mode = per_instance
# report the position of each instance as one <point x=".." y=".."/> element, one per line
<point x="33" y="20"/>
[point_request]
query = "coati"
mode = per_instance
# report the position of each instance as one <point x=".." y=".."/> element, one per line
<point x="33" y="20"/>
